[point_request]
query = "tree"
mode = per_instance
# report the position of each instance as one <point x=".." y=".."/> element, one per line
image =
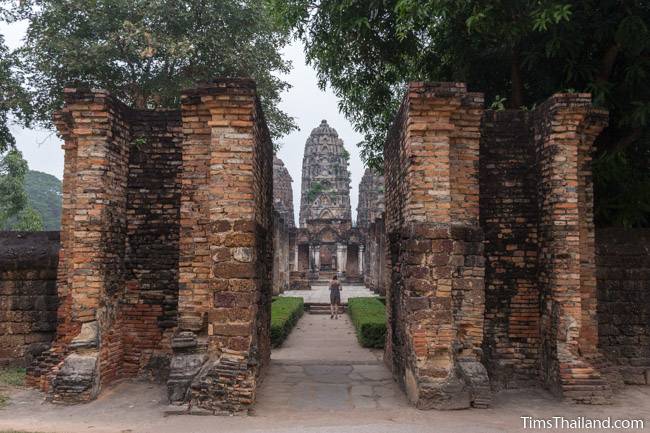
<point x="13" y="99"/>
<point x="29" y="220"/>
<point x="44" y="198"/>
<point x="12" y="191"/>
<point x="146" y="51"/>
<point x="15" y="211"/>
<point x="518" y="52"/>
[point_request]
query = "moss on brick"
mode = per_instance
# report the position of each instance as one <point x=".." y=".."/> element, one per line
<point x="369" y="319"/>
<point x="285" y="312"/>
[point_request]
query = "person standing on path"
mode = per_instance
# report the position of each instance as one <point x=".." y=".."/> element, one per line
<point x="335" y="297"/>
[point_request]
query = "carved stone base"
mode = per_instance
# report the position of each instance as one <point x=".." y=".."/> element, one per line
<point x="78" y="379"/>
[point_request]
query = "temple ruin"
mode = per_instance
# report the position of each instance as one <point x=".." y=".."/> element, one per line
<point x="480" y="235"/>
<point x="326" y="243"/>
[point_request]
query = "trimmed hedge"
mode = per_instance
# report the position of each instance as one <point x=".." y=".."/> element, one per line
<point x="285" y="312"/>
<point x="369" y="319"/>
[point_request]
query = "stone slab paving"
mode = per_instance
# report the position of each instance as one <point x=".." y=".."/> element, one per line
<point x="321" y="367"/>
<point x="321" y="294"/>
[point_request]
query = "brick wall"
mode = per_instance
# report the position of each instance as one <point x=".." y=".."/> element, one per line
<point x="28" y="299"/>
<point x="226" y="248"/>
<point x="537" y="214"/>
<point x="435" y="279"/>
<point x="508" y="214"/>
<point x="117" y="281"/>
<point x="166" y="246"/>
<point x="149" y="306"/>
<point x="87" y="352"/>
<point x="623" y="271"/>
<point x="564" y="129"/>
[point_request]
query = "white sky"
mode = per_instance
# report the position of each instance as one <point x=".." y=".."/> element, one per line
<point x="304" y="101"/>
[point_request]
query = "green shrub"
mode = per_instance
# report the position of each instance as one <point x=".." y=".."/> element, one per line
<point x="285" y="312"/>
<point x="369" y="319"/>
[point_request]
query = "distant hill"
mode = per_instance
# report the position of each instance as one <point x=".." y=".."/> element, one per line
<point x="44" y="195"/>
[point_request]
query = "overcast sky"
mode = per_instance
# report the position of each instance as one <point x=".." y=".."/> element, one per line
<point x="304" y="101"/>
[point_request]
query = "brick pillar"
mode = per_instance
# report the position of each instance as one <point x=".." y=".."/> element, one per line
<point x="226" y="249"/>
<point x="565" y="127"/>
<point x="88" y="348"/>
<point x="435" y="295"/>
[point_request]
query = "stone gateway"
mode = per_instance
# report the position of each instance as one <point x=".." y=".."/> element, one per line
<point x="480" y="234"/>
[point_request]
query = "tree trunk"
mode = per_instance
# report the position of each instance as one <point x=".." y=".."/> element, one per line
<point x="608" y="61"/>
<point x="517" y="91"/>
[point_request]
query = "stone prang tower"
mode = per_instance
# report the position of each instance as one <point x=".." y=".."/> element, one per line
<point x="282" y="192"/>
<point x="325" y="190"/>
<point x="371" y="198"/>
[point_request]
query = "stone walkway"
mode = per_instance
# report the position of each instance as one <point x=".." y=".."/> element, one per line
<point x="321" y="367"/>
<point x="321" y="294"/>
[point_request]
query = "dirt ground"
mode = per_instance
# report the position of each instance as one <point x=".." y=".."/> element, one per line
<point x="133" y="407"/>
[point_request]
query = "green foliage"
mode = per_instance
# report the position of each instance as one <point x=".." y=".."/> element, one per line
<point x="43" y="200"/>
<point x="44" y="195"/>
<point x="622" y="187"/>
<point x="13" y="198"/>
<point x="146" y="51"/>
<point x="369" y="319"/>
<point x="13" y="99"/>
<point x="28" y="220"/>
<point x="346" y="155"/>
<point x="285" y="312"/>
<point x="499" y="103"/>
<point x="314" y="190"/>
<point x="527" y="50"/>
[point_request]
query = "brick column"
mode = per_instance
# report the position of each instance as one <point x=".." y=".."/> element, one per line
<point x="565" y="127"/>
<point x="88" y="348"/>
<point x="226" y="249"/>
<point x="435" y="297"/>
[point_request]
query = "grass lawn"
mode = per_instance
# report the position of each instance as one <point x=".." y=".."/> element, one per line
<point x="10" y="377"/>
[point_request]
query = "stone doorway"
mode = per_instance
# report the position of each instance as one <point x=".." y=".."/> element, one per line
<point x="303" y="257"/>
<point x="352" y="265"/>
<point x="328" y="257"/>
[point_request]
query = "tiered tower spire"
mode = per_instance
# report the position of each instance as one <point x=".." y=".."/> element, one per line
<point x="325" y="192"/>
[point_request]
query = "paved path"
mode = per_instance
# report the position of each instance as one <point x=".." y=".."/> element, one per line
<point x="321" y="367"/>
<point x="319" y="294"/>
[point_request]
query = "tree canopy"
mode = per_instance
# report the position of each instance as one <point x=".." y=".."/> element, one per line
<point x="15" y="212"/>
<point x="146" y="51"/>
<point x="518" y="52"/>
<point x="44" y="193"/>
<point x="13" y="99"/>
